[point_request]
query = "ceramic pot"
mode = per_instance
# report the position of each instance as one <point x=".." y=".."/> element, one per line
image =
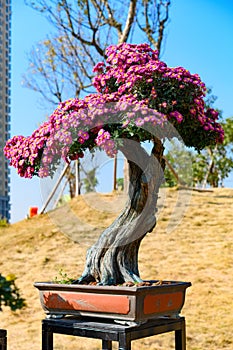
<point x="137" y="303"/>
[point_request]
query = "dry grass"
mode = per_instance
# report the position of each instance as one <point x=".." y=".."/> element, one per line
<point x="199" y="249"/>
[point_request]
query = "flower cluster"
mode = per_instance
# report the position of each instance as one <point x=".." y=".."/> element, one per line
<point x="103" y="140"/>
<point x="136" y="93"/>
<point x="175" y="92"/>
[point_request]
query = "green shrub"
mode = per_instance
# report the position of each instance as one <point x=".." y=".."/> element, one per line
<point x="63" y="278"/>
<point x="3" y="222"/>
<point x="9" y="293"/>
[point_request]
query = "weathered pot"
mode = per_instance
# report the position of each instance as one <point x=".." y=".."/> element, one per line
<point x="118" y="302"/>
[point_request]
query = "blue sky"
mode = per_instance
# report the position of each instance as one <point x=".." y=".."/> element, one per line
<point x="199" y="37"/>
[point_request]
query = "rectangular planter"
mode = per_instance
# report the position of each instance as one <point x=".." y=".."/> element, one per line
<point x="137" y="303"/>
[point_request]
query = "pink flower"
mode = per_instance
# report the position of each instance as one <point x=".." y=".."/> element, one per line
<point x="139" y="122"/>
<point x="177" y="116"/>
<point x="102" y="137"/>
<point x="133" y="76"/>
<point x="83" y="134"/>
<point x="98" y="67"/>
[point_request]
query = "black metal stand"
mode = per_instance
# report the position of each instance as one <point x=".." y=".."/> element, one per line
<point x="3" y="339"/>
<point x="109" y="331"/>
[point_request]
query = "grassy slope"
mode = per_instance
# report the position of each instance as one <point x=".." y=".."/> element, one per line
<point x="199" y="249"/>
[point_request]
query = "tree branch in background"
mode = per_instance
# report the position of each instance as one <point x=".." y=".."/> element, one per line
<point x="153" y="21"/>
<point x="129" y="22"/>
<point x="62" y="65"/>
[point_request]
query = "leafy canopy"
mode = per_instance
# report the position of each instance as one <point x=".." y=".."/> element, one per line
<point x="136" y="93"/>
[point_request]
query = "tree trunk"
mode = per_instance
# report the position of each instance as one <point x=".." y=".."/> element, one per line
<point x="113" y="259"/>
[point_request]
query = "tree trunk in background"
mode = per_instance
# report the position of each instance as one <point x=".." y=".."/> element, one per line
<point x="126" y="176"/>
<point x="113" y="259"/>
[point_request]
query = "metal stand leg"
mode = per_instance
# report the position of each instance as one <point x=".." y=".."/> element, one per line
<point x="106" y="345"/>
<point x="124" y="342"/>
<point x="180" y="338"/>
<point x="3" y="345"/>
<point x="47" y="338"/>
<point x="3" y="339"/>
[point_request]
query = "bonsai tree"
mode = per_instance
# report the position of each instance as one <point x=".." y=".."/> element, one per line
<point x="139" y="98"/>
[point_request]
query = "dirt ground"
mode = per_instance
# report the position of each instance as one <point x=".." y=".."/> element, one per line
<point x="193" y="241"/>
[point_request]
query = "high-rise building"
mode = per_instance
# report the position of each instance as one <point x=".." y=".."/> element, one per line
<point x="5" y="79"/>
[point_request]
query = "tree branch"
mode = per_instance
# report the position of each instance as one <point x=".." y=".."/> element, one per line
<point x="110" y="20"/>
<point x="135" y="153"/>
<point x="129" y="21"/>
<point x="157" y="25"/>
<point x="162" y="22"/>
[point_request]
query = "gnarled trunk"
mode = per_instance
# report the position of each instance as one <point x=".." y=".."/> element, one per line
<point x="113" y="259"/>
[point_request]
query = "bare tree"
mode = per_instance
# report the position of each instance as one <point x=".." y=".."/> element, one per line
<point x="58" y="69"/>
<point x="61" y="65"/>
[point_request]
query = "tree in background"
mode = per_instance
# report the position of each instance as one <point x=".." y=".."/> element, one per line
<point x="212" y="165"/>
<point x="58" y="69"/>
<point x="176" y="171"/>
<point x="120" y="183"/>
<point x="62" y="65"/>
<point x="90" y="181"/>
